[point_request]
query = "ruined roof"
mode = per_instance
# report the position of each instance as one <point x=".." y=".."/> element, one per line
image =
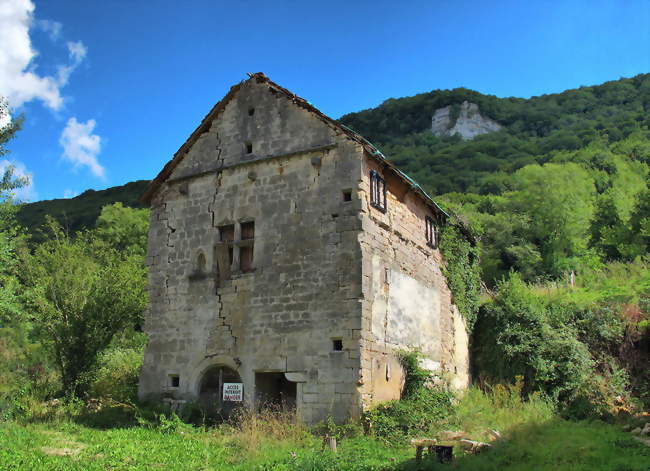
<point x="259" y="77"/>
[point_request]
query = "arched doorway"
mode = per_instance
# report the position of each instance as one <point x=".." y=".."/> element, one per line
<point x="211" y="395"/>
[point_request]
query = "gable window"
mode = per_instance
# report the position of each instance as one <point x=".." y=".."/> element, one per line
<point x="246" y="245"/>
<point x="431" y="232"/>
<point x="377" y="191"/>
<point x="234" y="251"/>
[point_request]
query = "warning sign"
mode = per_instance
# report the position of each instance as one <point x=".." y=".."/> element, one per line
<point x="233" y="392"/>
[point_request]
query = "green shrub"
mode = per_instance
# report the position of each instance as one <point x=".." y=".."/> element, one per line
<point x="117" y="376"/>
<point x="421" y="406"/>
<point x="565" y="349"/>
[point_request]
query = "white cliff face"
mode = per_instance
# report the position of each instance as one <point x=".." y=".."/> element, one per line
<point x="469" y="124"/>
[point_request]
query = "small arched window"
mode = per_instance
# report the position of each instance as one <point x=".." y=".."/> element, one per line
<point x="200" y="263"/>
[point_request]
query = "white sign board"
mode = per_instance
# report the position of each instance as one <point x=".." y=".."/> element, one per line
<point x="233" y="392"/>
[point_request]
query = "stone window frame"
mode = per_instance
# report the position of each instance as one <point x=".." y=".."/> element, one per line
<point x="431" y="232"/>
<point x="171" y="376"/>
<point x="230" y="249"/>
<point x="378" y="191"/>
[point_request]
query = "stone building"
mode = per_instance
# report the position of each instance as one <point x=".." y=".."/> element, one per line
<point x="288" y="256"/>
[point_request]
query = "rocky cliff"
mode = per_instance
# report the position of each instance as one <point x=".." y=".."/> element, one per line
<point x="464" y="119"/>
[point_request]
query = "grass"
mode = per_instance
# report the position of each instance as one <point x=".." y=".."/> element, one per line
<point x="533" y="439"/>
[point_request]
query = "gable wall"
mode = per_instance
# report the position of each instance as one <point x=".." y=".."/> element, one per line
<point x="276" y="128"/>
<point x="305" y="286"/>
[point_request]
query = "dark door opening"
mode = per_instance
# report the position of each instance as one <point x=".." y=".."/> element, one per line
<point x="211" y="391"/>
<point x="275" y="391"/>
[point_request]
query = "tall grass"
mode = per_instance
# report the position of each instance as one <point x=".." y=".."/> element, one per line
<point x="500" y="408"/>
<point x="252" y="432"/>
<point x="533" y="439"/>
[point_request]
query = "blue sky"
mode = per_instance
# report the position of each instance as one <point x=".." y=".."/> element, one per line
<point x="111" y="89"/>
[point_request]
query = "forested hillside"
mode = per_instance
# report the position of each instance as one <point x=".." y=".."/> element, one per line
<point x="535" y="130"/>
<point x="82" y="211"/>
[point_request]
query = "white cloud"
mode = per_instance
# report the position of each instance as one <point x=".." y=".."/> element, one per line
<point x="68" y="193"/>
<point x="52" y="28"/>
<point x="27" y="192"/>
<point x="19" y="79"/>
<point x="80" y="146"/>
<point x="76" y="51"/>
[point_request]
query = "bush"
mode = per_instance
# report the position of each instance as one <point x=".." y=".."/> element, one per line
<point x="117" y="377"/>
<point x="421" y="406"/>
<point x="559" y="347"/>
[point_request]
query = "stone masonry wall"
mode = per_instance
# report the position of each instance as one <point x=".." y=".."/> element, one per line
<point x="406" y="301"/>
<point x="305" y="284"/>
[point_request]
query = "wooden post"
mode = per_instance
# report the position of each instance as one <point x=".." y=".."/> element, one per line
<point x="332" y="443"/>
<point x="418" y="454"/>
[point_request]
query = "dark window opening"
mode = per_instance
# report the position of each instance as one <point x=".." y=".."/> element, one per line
<point x="251" y="111"/>
<point x="224" y="252"/>
<point x="274" y="391"/>
<point x="337" y="345"/>
<point x="247" y="230"/>
<point x="174" y="381"/>
<point x="246" y="259"/>
<point x="377" y="191"/>
<point x="227" y="233"/>
<point x="235" y="249"/>
<point x="249" y="147"/>
<point x="431" y="232"/>
<point x="347" y="196"/>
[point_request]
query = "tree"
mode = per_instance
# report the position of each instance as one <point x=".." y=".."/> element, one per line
<point x="9" y="238"/>
<point x="11" y="126"/>
<point x="125" y="229"/>
<point x="559" y="200"/>
<point x="639" y="237"/>
<point x="82" y="292"/>
<point x="9" y="231"/>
